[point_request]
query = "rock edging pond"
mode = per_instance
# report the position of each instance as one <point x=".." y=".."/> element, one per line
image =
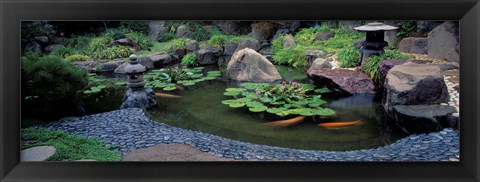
<point x="130" y="129"/>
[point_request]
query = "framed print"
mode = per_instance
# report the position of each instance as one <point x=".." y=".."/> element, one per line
<point x="239" y="90"/>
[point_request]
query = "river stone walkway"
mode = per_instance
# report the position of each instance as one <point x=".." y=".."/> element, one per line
<point x="130" y="129"/>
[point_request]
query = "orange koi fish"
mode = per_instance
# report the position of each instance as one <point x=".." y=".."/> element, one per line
<point x="287" y="122"/>
<point x="339" y="124"/>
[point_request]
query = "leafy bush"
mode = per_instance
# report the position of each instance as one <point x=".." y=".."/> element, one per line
<point x="117" y="33"/>
<point x="200" y="34"/>
<point x="167" y="36"/>
<point x="407" y="28"/>
<point x="306" y="36"/>
<point x="277" y="44"/>
<point x="30" y="29"/>
<point x="135" y="26"/>
<point x="63" y="51"/>
<point x="370" y="65"/>
<point x="189" y="59"/>
<point x="68" y="147"/>
<point x="114" y="52"/>
<point x="294" y="56"/>
<point x="80" y="42"/>
<point x="348" y="57"/>
<point x="77" y="57"/>
<point x="178" y="43"/>
<point x="143" y="41"/>
<point x="99" y="44"/>
<point x="218" y="41"/>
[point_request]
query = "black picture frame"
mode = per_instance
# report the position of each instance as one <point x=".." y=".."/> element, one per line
<point x="13" y="11"/>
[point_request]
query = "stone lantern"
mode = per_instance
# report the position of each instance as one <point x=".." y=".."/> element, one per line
<point x="135" y="74"/>
<point x="374" y="42"/>
<point x="137" y="96"/>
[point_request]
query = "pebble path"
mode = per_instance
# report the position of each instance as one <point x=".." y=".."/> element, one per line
<point x="130" y="129"/>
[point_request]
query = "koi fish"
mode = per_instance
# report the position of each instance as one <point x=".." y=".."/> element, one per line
<point x="167" y="95"/>
<point x="287" y="122"/>
<point x="339" y="124"/>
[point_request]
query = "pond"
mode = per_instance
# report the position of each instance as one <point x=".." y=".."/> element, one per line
<point x="200" y="108"/>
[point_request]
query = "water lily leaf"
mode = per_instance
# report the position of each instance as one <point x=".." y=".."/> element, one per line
<point x="254" y="86"/>
<point x="209" y="78"/>
<point x="243" y="100"/>
<point x="121" y="83"/>
<point x="306" y="112"/>
<point x="236" y="105"/>
<point x="230" y="101"/>
<point x="266" y="99"/>
<point x="231" y="93"/>
<point x="235" y="89"/>
<point x="316" y="102"/>
<point x="190" y="83"/>
<point x="307" y="87"/>
<point x="196" y="76"/>
<point x="258" y="109"/>
<point x="199" y="68"/>
<point x="294" y="111"/>
<point x="324" y="111"/>
<point x="322" y="90"/>
<point x="254" y="104"/>
<point x="252" y="95"/>
<point x="169" y="88"/>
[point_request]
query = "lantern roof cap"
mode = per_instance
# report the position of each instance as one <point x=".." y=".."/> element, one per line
<point x="133" y="66"/>
<point x="375" y="26"/>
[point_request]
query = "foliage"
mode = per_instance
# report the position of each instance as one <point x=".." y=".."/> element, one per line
<point x="63" y="51"/>
<point x="143" y="41"/>
<point x="99" y="44"/>
<point x="170" y="78"/>
<point x="51" y="78"/>
<point x="68" y="147"/>
<point x="77" y="57"/>
<point x="200" y="34"/>
<point x="218" y="41"/>
<point x="80" y="42"/>
<point x="167" y="36"/>
<point x="370" y="65"/>
<point x="277" y="44"/>
<point x="407" y="28"/>
<point x="189" y="59"/>
<point x="30" y="29"/>
<point x="294" y="56"/>
<point x="117" y="33"/>
<point x="280" y="99"/>
<point x="135" y="26"/>
<point x="178" y="43"/>
<point x="348" y="57"/>
<point x="114" y="52"/>
<point x="98" y="84"/>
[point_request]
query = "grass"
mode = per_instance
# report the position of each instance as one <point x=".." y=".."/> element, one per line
<point x="68" y="147"/>
<point x="348" y="57"/>
<point x="370" y="65"/>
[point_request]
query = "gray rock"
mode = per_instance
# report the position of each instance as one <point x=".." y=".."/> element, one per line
<point x="90" y="66"/>
<point x="342" y="80"/>
<point x="414" y="84"/>
<point x="144" y="99"/>
<point x="249" y="43"/>
<point x="230" y="48"/>
<point x="110" y="66"/>
<point x="311" y="55"/>
<point x="146" y="61"/>
<point x="191" y="45"/>
<point x="443" y="40"/>
<point x="42" y="39"/>
<point x="288" y="41"/>
<point x="208" y="56"/>
<point x="227" y="27"/>
<point x="33" y="47"/>
<point x="321" y="63"/>
<point x="263" y="31"/>
<point x="161" y="59"/>
<point x="182" y="31"/>
<point x="422" y="118"/>
<point x="248" y="65"/>
<point x="50" y="48"/>
<point x="321" y="36"/>
<point x="39" y="153"/>
<point x="385" y="66"/>
<point x="155" y="29"/>
<point x="415" y="45"/>
<point x="128" y="42"/>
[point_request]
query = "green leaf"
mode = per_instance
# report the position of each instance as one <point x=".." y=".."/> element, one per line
<point x="231" y="93"/>
<point x="254" y="104"/>
<point x="169" y="88"/>
<point x="235" y="89"/>
<point x="324" y="111"/>
<point x="230" y="101"/>
<point x="307" y="87"/>
<point x="236" y="105"/>
<point x="322" y="90"/>
<point x="258" y="109"/>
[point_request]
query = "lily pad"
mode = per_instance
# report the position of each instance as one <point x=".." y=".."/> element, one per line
<point x="236" y="105"/>
<point x="306" y="112"/>
<point x="169" y="88"/>
<point x="322" y="90"/>
<point x="235" y="89"/>
<point x="324" y="111"/>
<point x="258" y="109"/>
<point x="254" y="104"/>
<point x="231" y="93"/>
<point x="307" y="87"/>
<point x="230" y="101"/>
<point x="243" y="100"/>
<point x="209" y="78"/>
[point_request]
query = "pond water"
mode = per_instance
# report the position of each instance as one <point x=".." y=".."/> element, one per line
<point x="200" y="108"/>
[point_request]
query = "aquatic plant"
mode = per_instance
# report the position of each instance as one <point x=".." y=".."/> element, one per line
<point x="98" y="84"/>
<point x="170" y="78"/>
<point x="287" y="98"/>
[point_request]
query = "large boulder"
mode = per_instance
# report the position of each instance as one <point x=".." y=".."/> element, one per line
<point x="385" y="66"/>
<point x="182" y="31"/>
<point x="90" y="66"/>
<point x="208" y="56"/>
<point x="249" y="43"/>
<point x="144" y="99"/>
<point x="250" y="66"/>
<point x="342" y="80"/>
<point x="192" y="45"/>
<point x="443" y="40"/>
<point x="109" y="66"/>
<point x="263" y="31"/>
<point x="230" y="48"/>
<point x="322" y="63"/>
<point x="422" y="118"/>
<point x="41" y="40"/>
<point x="414" y="84"/>
<point x="288" y="41"/>
<point x="155" y="29"/>
<point x="146" y="61"/>
<point x="311" y="55"/>
<point x="321" y="36"/>
<point x="227" y="27"/>
<point x="415" y="45"/>
<point x="161" y="59"/>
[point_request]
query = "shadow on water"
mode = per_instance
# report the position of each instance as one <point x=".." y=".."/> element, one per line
<point x="200" y="109"/>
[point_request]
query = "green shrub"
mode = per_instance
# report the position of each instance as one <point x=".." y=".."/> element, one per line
<point x="167" y="36"/>
<point x="99" y="44"/>
<point x="218" y="41"/>
<point x="135" y="26"/>
<point x="30" y="29"/>
<point x="293" y="56"/>
<point x="178" y="43"/>
<point x="189" y="59"/>
<point x="63" y="51"/>
<point x="77" y="57"/>
<point x="141" y="39"/>
<point x="68" y="147"/>
<point x="407" y="28"/>
<point x="117" y="33"/>
<point x="79" y="42"/>
<point x="348" y="57"/>
<point x="114" y="52"/>
<point x="370" y="65"/>
<point x="277" y="44"/>
<point x="306" y="36"/>
<point x="200" y="34"/>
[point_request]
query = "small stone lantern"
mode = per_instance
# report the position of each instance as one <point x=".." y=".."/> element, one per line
<point x="374" y="42"/>
<point x="135" y="74"/>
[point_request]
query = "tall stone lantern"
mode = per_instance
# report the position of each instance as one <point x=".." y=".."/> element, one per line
<point x="135" y="74"/>
<point x="374" y="42"/>
<point x="137" y="96"/>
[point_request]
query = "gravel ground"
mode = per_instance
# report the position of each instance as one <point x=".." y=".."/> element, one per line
<point x="130" y="129"/>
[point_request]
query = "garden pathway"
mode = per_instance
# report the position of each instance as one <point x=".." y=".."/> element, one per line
<point x="130" y="129"/>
